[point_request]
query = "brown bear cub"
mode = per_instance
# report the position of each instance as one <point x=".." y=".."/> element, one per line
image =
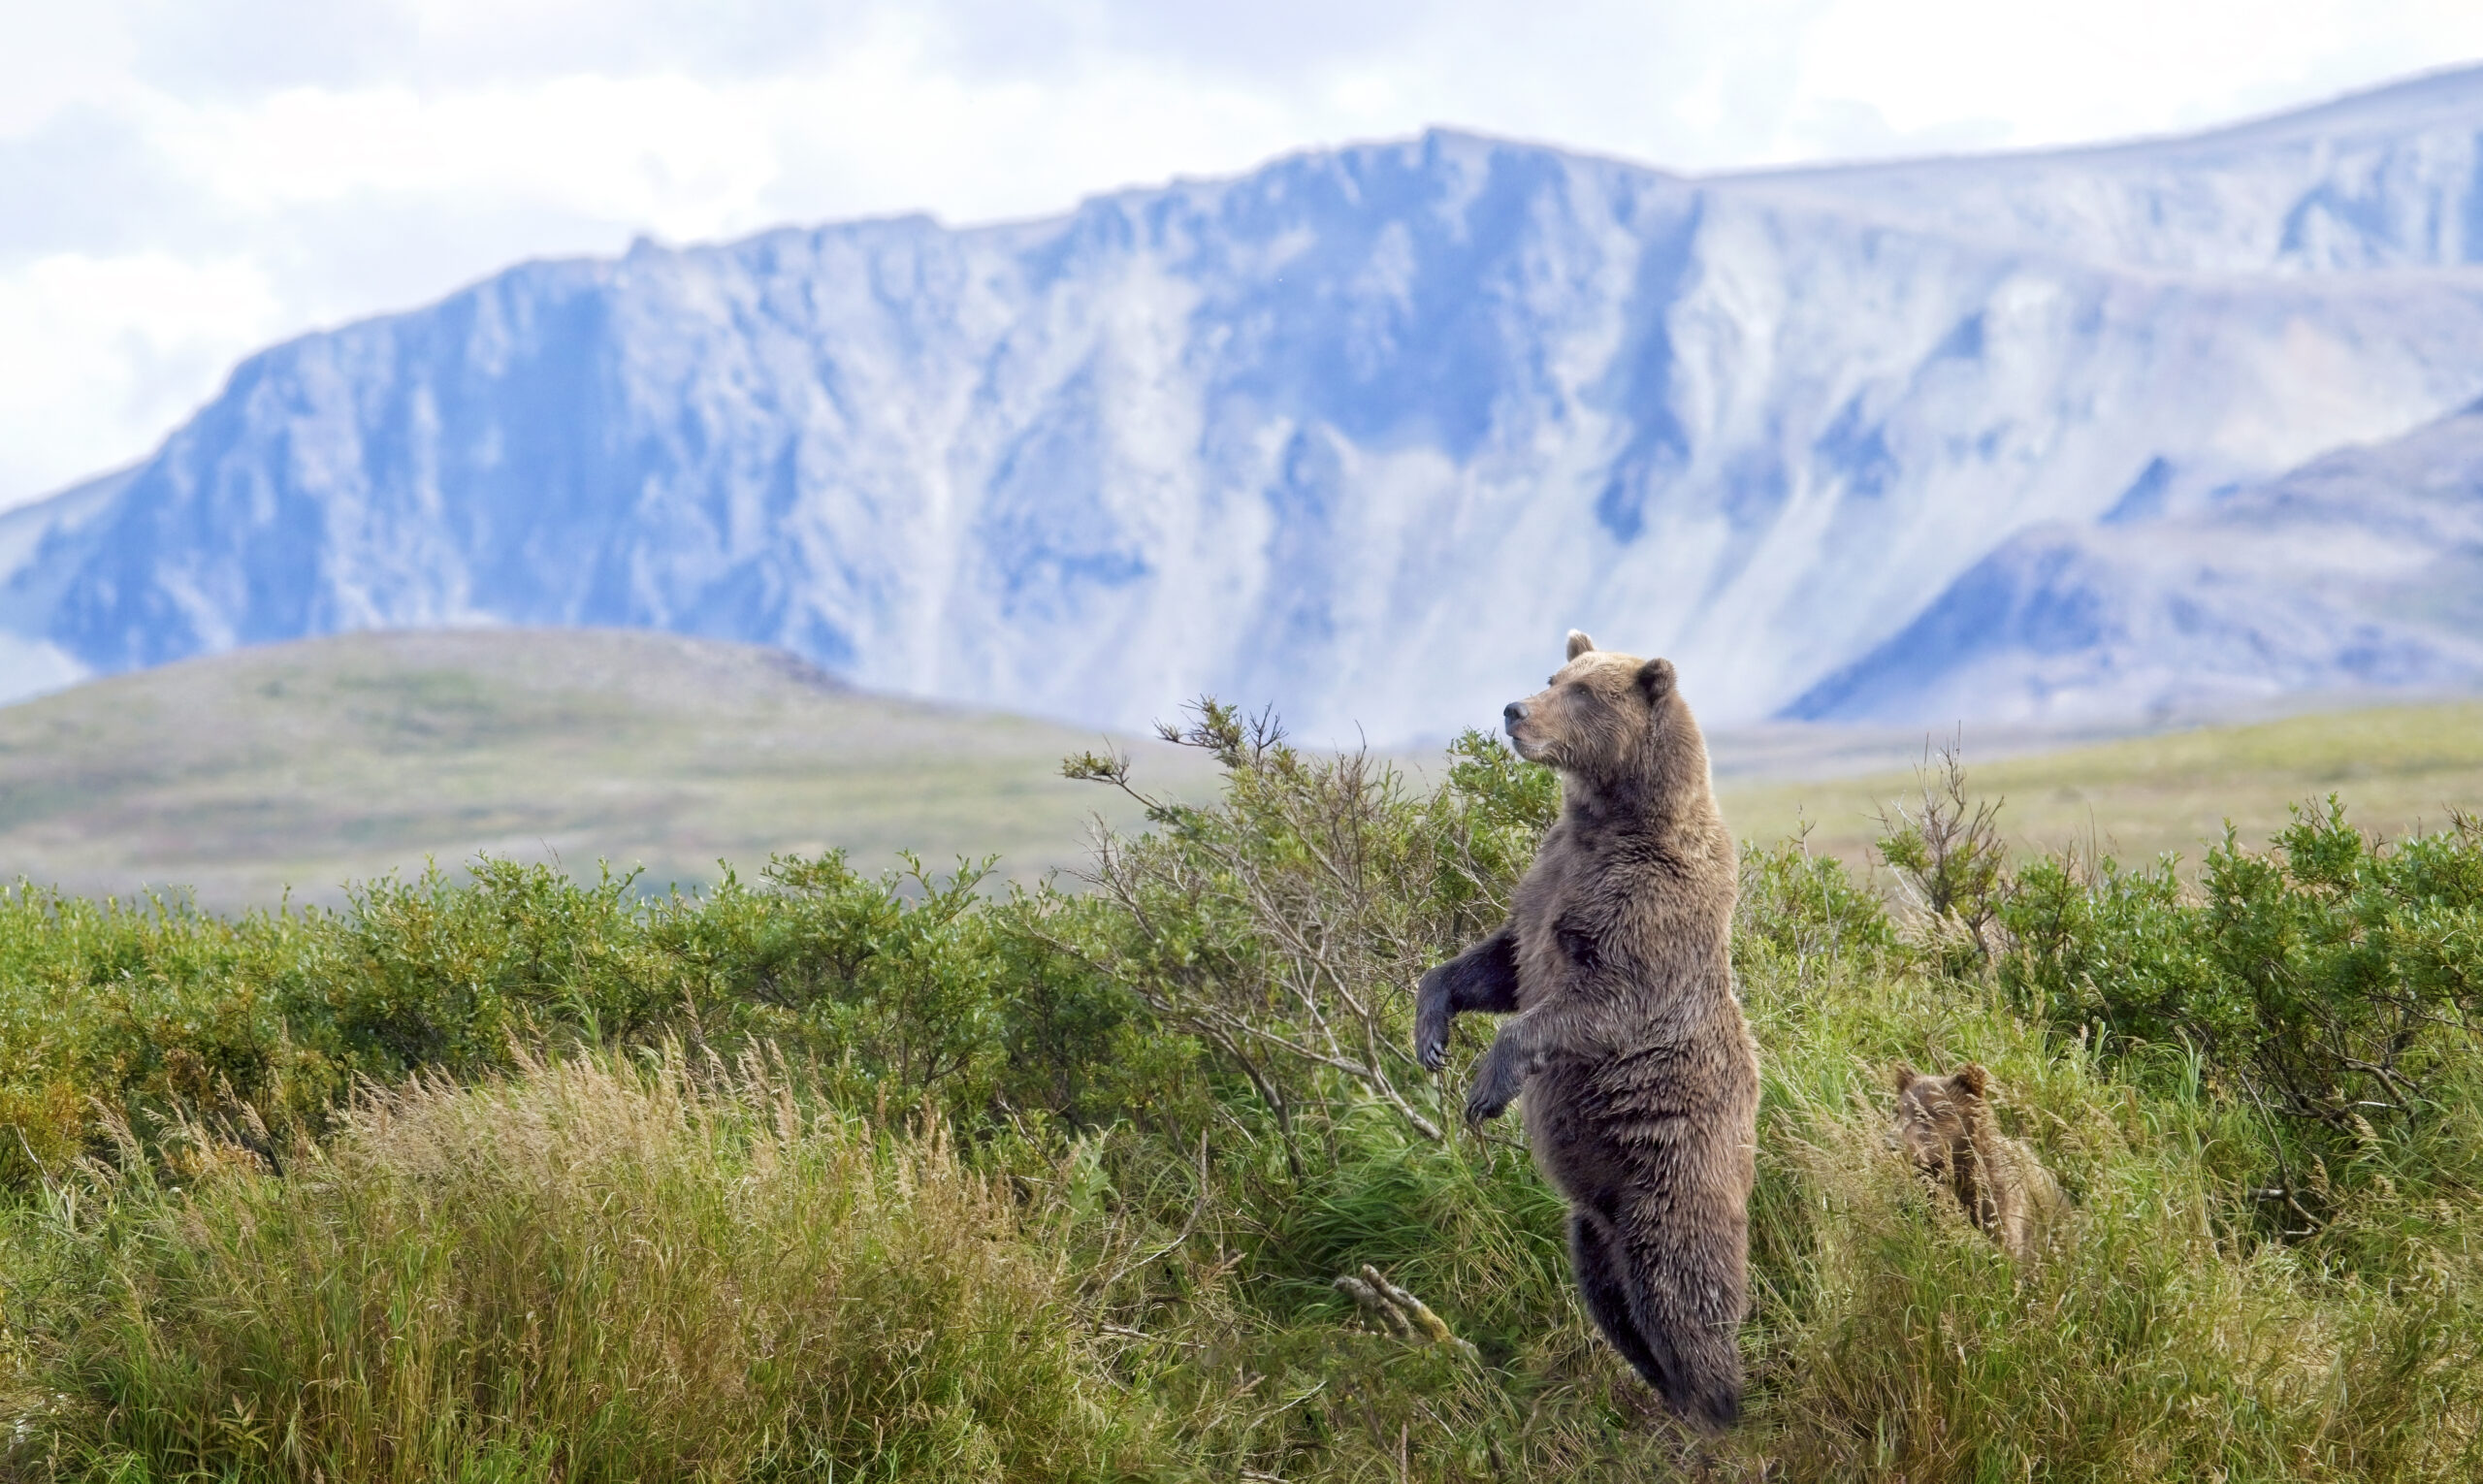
<point x="1945" y="1125"/>
<point x="1641" y="1082"/>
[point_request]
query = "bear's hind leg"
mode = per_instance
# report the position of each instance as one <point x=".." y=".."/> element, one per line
<point x="1659" y="1279"/>
<point x="1594" y="1254"/>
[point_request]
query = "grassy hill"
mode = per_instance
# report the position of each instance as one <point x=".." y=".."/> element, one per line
<point x="302" y="765"/>
<point x="2399" y="769"/>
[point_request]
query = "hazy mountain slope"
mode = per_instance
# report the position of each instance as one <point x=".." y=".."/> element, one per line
<point x="2388" y="178"/>
<point x="1359" y="433"/>
<point x="300" y="767"/>
<point x="44" y="547"/>
<point x="2362" y="571"/>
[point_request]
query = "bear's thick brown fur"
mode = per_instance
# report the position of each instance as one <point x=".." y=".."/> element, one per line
<point x="1946" y="1126"/>
<point x="1640" y="1079"/>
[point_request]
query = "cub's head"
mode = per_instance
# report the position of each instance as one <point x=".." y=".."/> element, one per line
<point x="1599" y="713"/>
<point x="1939" y="1117"/>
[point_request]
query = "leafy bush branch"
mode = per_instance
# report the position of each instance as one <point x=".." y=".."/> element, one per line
<point x="1285" y="925"/>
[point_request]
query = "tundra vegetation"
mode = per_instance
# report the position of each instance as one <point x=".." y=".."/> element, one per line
<point x="827" y="1174"/>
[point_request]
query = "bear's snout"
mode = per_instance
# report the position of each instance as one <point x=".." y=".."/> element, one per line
<point x="1512" y="713"/>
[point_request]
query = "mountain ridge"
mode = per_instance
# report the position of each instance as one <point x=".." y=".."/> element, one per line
<point x="1348" y="434"/>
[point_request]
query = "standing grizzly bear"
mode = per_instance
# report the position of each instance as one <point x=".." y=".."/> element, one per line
<point x="1641" y="1082"/>
<point x="1945" y="1127"/>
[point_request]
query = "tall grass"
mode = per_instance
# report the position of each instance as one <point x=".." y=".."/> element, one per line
<point x="595" y="1268"/>
<point x="2163" y="1338"/>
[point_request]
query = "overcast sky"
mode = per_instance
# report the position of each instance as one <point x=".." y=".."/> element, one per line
<point x="184" y="180"/>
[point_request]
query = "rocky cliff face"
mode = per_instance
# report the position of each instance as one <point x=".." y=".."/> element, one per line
<point x="2362" y="571"/>
<point x="1358" y="435"/>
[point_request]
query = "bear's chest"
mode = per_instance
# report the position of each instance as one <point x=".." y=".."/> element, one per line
<point x="1570" y="923"/>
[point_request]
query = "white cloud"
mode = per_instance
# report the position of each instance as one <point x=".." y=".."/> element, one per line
<point x="2064" y="72"/>
<point x="663" y="151"/>
<point x="101" y="348"/>
<point x="181" y="180"/>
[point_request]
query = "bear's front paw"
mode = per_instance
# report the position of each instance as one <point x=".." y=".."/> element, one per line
<point x="1430" y="1023"/>
<point x="1497" y="1076"/>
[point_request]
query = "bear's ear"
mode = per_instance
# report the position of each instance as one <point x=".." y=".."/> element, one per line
<point x="1972" y="1078"/>
<point x="1906" y="1076"/>
<point x="1579" y="643"/>
<point x="1655" y="679"/>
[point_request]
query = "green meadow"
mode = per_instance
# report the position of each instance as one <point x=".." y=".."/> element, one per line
<point x="814" y="1168"/>
<point x="2401" y="767"/>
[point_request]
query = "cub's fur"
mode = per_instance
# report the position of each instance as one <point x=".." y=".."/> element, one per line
<point x="1641" y="1082"/>
<point x="1945" y="1127"/>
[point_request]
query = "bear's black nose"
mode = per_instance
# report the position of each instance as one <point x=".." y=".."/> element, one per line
<point x="1513" y="713"/>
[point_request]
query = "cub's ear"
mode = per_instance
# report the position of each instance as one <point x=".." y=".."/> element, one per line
<point x="1579" y="643"/>
<point x="1906" y="1076"/>
<point x="1972" y="1078"/>
<point x="1655" y="679"/>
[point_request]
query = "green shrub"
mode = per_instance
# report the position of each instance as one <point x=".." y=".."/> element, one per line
<point x="909" y="986"/>
<point x="143" y="1008"/>
<point x="1949" y="861"/>
<point x="1798" y="907"/>
<point x="1284" y="928"/>
<point x="2332" y="985"/>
